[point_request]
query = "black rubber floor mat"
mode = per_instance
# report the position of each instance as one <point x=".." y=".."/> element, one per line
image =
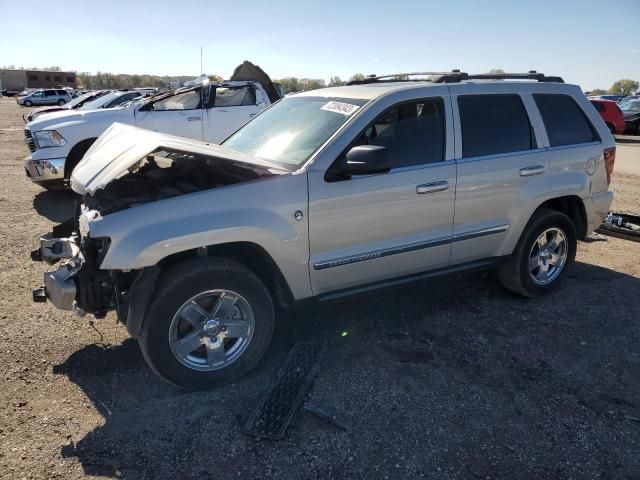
<point x="279" y="404"/>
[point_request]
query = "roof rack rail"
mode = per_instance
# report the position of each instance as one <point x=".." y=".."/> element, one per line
<point x="456" y="76"/>
<point x="530" y="75"/>
<point x="404" y="77"/>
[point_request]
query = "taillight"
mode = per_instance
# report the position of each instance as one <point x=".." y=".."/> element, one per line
<point x="609" y="160"/>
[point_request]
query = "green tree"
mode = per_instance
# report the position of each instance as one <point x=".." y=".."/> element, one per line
<point x="497" y="71"/>
<point x="335" y="82"/>
<point x="289" y="84"/>
<point x="357" y="77"/>
<point x="311" y="83"/>
<point x="598" y="91"/>
<point x="624" y="87"/>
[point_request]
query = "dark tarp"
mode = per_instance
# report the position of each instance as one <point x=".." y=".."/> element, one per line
<point x="248" y="72"/>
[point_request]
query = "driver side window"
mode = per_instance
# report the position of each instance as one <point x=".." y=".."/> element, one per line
<point x="413" y="133"/>
<point x="183" y="101"/>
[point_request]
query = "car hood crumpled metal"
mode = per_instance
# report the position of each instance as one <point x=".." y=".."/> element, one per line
<point x="122" y="146"/>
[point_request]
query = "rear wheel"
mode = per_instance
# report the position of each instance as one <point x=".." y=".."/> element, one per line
<point x="210" y="321"/>
<point x="61" y="102"/>
<point x="545" y="252"/>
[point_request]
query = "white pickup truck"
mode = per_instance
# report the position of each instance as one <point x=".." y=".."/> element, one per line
<point x="209" y="111"/>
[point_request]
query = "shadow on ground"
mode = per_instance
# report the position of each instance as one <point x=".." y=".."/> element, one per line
<point x="55" y="205"/>
<point x="451" y="378"/>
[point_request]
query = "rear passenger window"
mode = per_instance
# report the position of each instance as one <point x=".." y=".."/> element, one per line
<point x="493" y="124"/>
<point x="412" y="132"/>
<point x="564" y="120"/>
<point x="49" y="93"/>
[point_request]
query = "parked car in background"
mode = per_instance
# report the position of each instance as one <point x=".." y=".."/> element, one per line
<point x="630" y="97"/>
<point x="72" y="105"/>
<point x="24" y="93"/>
<point x="209" y="111"/>
<point x="610" y="113"/>
<point x="45" y="97"/>
<point x="631" y="111"/>
<point x="112" y="99"/>
<point x="327" y="193"/>
<point x="614" y="98"/>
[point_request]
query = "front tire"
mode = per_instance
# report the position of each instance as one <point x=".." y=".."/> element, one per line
<point x="544" y="254"/>
<point x="209" y="322"/>
<point x="28" y="103"/>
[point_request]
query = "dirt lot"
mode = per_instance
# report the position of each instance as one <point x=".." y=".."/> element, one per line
<point x="453" y="378"/>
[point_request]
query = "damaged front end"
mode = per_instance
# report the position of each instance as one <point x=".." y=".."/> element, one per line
<point x="77" y="284"/>
<point x="126" y="168"/>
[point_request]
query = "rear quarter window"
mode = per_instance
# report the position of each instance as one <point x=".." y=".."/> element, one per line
<point x="564" y="120"/>
<point x="494" y="124"/>
<point x="599" y="106"/>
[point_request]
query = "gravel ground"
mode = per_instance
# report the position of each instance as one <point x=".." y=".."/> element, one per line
<point x="452" y="378"/>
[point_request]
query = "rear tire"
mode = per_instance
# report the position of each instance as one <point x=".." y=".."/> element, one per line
<point x="172" y="319"/>
<point x="61" y="102"/>
<point x="535" y="269"/>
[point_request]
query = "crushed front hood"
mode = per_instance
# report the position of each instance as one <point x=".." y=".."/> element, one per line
<point x="122" y="146"/>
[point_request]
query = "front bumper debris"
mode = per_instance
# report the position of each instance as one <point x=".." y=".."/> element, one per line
<point x="59" y="285"/>
<point x="44" y="170"/>
<point x="60" y="288"/>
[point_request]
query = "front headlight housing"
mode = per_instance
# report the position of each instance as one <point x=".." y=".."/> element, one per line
<point x="48" y="138"/>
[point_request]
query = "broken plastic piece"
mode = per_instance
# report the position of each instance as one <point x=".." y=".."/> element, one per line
<point x="325" y="414"/>
<point x="278" y="405"/>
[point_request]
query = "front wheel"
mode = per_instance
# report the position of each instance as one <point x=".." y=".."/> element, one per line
<point x="545" y="252"/>
<point x="210" y="321"/>
<point x="28" y="103"/>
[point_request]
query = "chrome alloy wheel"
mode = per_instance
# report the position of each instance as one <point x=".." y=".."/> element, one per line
<point x="211" y="330"/>
<point x="548" y="256"/>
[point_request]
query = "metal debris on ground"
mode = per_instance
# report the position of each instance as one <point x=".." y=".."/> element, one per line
<point x="326" y="414"/>
<point x="622" y="226"/>
<point x="279" y="404"/>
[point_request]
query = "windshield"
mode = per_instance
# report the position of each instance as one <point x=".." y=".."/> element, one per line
<point x="100" y="101"/>
<point x="79" y="99"/>
<point x="630" y="106"/>
<point x="294" y="128"/>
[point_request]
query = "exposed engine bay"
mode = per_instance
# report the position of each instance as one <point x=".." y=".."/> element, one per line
<point x="167" y="173"/>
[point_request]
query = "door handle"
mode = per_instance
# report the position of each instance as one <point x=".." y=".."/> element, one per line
<point x="194" y="119"/>
<point x="432" y="187"/>
<point x="252" y="115"/>
<point x="532" y="170"/>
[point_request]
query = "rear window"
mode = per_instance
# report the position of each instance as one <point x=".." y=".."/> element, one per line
<point x="234" y="96"/>
<point x="564" y="120"/>
<point x="494" y="124"/>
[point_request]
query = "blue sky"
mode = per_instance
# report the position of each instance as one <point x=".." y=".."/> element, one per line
<point x="591" y="43"/>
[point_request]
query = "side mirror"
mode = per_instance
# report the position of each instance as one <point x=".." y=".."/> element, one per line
<point x="366" y="160"/>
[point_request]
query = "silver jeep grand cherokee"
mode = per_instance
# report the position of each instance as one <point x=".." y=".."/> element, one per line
<point x="327" y="193"/>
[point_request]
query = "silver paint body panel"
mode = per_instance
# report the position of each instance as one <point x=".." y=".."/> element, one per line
<point x="377" y="227"/>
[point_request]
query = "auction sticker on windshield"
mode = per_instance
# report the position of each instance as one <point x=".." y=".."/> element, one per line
<point x="340" y="107"/>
